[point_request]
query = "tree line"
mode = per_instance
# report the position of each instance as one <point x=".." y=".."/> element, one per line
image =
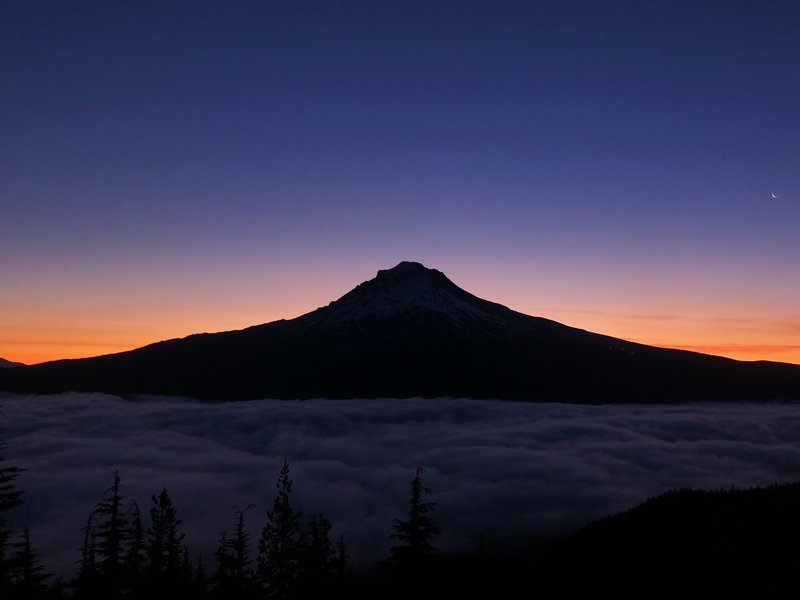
<point x="125" y="555"/>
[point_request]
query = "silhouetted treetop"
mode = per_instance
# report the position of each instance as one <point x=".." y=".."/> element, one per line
<point x="415" y="533"/>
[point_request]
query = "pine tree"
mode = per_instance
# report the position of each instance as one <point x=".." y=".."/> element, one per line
<point x="135" y="558"/>
<point x="342" y="559"/>
<point x="414" y="534"/>
<point x="240" y="551"/>
<point x="317" y="553"/>
<point x="111" y="535"/>
<point x="10" y="497"/>
<point x="278" y="545"/>
<point x="223" y="574"/>
<point x="28" y="576"/>
<point x="86" y="582"/>
<point x="317" y="557"/>
<point x="233" y="576"/>
<point x="164" y="548"/>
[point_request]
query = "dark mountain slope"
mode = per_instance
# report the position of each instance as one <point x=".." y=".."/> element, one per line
<point x="5" y="364"/>
<point x="681" y="544"/>
<point x="741" y="543"/>
<point x="412" y="332"/>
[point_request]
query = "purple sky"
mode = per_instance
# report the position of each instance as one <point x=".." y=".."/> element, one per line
<point x="171" y="167"/>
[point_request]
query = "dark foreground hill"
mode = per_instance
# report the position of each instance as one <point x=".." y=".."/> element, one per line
<point x="735" y="542"/>
<point x="682" y="544"/>
<point x="410" y="331"/>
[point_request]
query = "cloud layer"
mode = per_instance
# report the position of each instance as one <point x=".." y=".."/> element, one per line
<point x="499" y="469"/>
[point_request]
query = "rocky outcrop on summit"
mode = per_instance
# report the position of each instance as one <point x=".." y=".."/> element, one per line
<point x="411" y="331"/>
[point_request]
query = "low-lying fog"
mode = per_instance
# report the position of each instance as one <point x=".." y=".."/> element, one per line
<point x="498" y="469"/>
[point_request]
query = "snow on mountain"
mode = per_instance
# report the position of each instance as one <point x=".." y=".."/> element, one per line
<point x="408" y="288"/>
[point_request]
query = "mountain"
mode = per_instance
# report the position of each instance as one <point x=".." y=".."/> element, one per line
<point x="5" y="364"/>
<point x="411" y="331"/>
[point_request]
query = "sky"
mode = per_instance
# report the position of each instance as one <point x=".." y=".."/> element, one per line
<point x="168" y="168"/>
<point x="514" y="472"/>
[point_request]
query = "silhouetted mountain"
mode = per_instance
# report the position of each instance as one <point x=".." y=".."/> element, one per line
<point x="5" y="364"/>
<point x="410" y="331"/>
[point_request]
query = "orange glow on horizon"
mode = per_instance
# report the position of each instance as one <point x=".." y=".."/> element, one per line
<point x="37" y="340"/>
<point x="73" y="319"/>
<point x="34" y="344"/>
<point x="740" y="338"/>
<point x="776" y="352"/>
<point x="45" y="343"/>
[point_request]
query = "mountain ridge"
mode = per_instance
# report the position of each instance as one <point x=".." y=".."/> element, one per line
<point x="410" y="331"/>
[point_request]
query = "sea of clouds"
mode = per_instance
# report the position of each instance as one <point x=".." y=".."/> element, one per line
<point x="510" y="471"/>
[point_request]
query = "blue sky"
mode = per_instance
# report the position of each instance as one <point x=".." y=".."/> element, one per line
<point x="583" y="155"/>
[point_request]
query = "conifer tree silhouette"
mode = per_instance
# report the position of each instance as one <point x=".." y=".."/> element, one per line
<point x="240" y="550"/>
<point x="85" y="583"/>
<point x="342" y="559"/>
<point x="416" y="532"/>
<point x="277" y="564"/>
<point x="111" y="530"/>
<point x="10" y="497"/>
<point x="317" y="566"/>
<point x="223" y="573"/>
<point x="135" y="558"/>
<point x="234" y="576"/>
<point x="164" y="548"/>
<point x="28" y="575"/>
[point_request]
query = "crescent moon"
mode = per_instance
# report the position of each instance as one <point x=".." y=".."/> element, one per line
<point x="773" y="195"/>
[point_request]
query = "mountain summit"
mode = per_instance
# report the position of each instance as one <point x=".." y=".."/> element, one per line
<point x="407" y="287"/>
<point x="411" y="331"/>
<point x="409" y="290"/>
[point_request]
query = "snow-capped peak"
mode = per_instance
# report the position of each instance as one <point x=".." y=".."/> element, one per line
<point x="409" y="287"/>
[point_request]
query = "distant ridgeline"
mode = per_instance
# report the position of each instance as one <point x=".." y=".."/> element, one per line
<point x="410" y="331"/>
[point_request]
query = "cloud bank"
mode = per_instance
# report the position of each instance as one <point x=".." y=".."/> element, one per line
<point x="504" y="470"/>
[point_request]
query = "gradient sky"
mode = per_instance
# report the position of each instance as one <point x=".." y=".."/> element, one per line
<point x="174" y="167"/>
